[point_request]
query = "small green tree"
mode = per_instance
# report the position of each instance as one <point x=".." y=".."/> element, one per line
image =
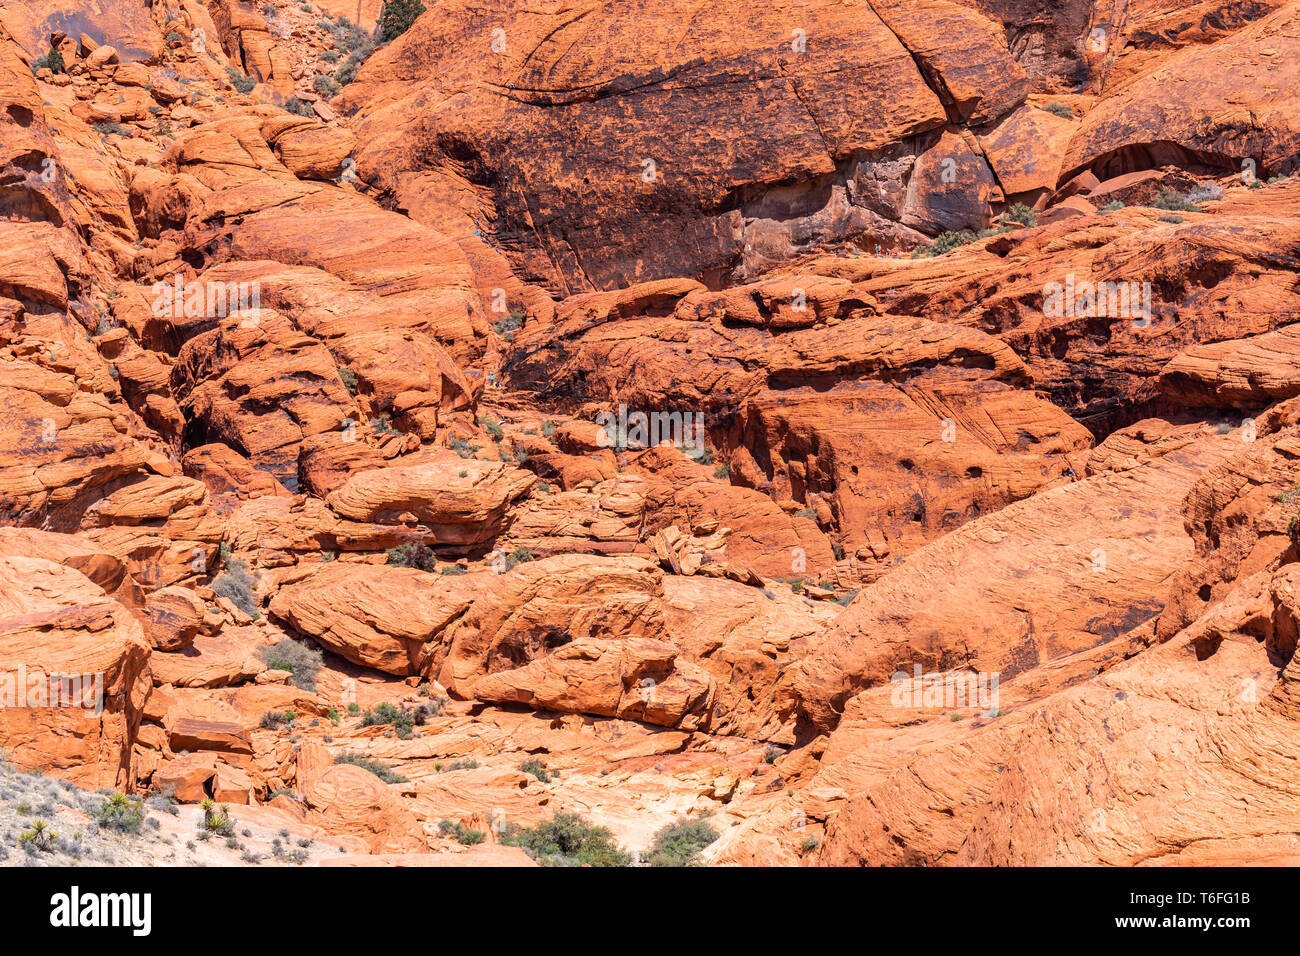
<point x="52" y="61"/>
<point x="397" y="17"/>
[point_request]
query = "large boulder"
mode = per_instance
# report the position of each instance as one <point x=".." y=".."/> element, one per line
<point x="74" y="667"/>
<point x="462" y="502"/>
<point x="377" y="616"/>
<point x="538" y="607"/>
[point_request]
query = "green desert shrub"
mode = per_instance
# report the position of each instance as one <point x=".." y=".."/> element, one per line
<point x="568" y="840"/>
<point x="275" y="719"/>
<point x="1019" y="212"/>
<point x="52" y="61"/>
<point x="299" y="107"/>
<point x="537" y="769"/>
<point x="680" y="843"/>
<point x="403" y="720"/>
<point x="463" y="448"/>
<point x="39" y="837"/>
<point x="517" y="556"/>
<point x="324" y="85"/>
<point x="1174" y="201"/>
<point x="944" y="244"/>
<point x="414" y="555"/>
<point x="216" y="819"/>
<point x="460" y="833"/>
<point x="382" y="771"/>
<point x="296" y="657"/>
<point x="120" y="813"/>
<point x="396" y="18"/>
<point x="241" y="83"/>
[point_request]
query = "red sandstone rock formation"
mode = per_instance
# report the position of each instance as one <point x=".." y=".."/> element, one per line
<point x="653" y="413"/>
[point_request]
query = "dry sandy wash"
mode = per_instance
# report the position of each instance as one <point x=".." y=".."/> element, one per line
<point x="836" y="431"/>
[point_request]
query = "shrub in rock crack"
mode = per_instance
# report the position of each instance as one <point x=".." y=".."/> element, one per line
<point x="1019" y="212"/>
<point x="414" y="555"/>
<point x="52" y="61"/>
<point x="241" y="83"/>
<point x="237" y="586"/>
<point x="402" y="719"/>
<point x="275" y="720"/>
<point x="296" y="657"/>
<point x="537" y="769"/>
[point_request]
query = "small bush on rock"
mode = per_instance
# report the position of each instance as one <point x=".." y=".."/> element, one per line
<point x="383" y="772"/>
<point x="461" y="833"/>
<point x="568" y="840"/>
<point x="680" y="843"/>
<point x="289" y="655"/>
<point x="237" y="586"/>
<point x="415" y="555"/>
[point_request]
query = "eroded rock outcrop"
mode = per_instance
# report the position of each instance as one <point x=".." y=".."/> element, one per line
<point x="654" y="414"/>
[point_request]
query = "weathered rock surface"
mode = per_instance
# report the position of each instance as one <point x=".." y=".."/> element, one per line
<point x="620" y="74"/>
<point x="540" y="606"/>
<point x="463" y="502"/>
<point x="74" y="666"/>
<point x="344" y="431"/>
<point x="1052" y="576"/>
<point x="381" y="617"/>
